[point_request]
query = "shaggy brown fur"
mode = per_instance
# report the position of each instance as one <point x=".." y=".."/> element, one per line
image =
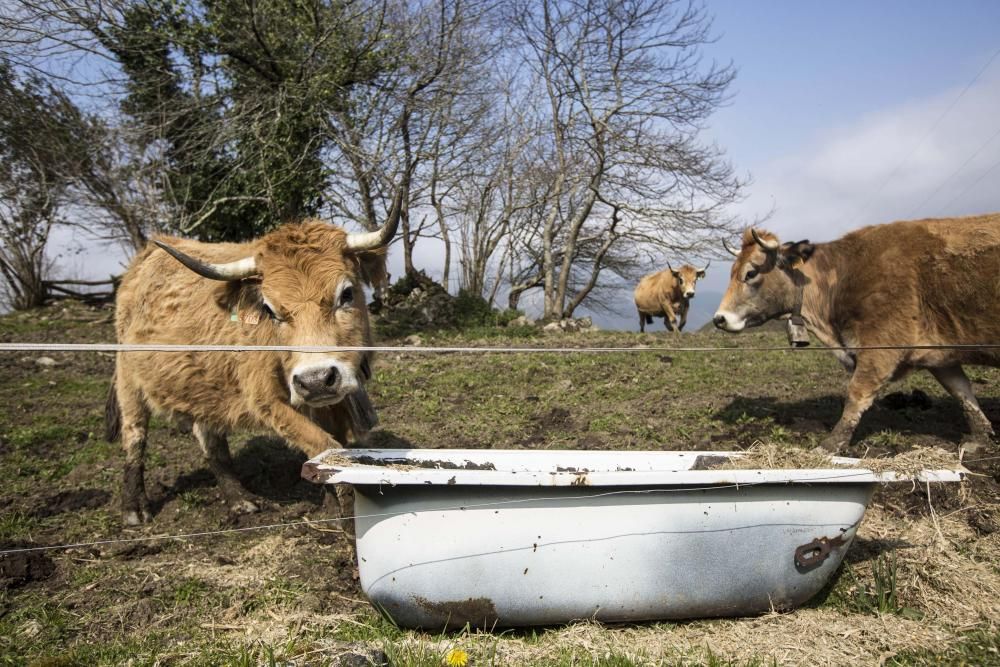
<point x="922" y="282"/>
<point x="662" y="294"/>
<point x="301" y="267"/>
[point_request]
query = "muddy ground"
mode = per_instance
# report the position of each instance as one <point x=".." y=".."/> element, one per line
<point x="289" y="595"/>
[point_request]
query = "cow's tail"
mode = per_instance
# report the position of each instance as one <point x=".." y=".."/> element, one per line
<point x="112" y="415"/>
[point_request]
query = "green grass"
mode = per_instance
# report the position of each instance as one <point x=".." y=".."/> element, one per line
<point x="878" y="596"/>
<point x="16" y="525"/>
<point x="974" y="649"/>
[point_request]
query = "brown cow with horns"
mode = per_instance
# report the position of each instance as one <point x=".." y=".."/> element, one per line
<point x="667" y="294"/>
<point x="921" y="283"/>
<point x="298" y="285"/>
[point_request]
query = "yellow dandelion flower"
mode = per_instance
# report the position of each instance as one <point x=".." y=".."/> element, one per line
<point x="456" y="657"/>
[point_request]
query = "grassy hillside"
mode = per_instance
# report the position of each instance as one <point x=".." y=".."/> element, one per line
<point x="921" y="583"/>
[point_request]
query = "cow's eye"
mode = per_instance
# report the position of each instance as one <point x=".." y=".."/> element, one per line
<point x="751" y="274"/>
<point x="346" y="296"/>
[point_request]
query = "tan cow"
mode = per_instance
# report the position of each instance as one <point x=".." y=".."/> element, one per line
<point x="916" y="283"/>
<point x="667" y="294"/>
<point x="299" y="285"/>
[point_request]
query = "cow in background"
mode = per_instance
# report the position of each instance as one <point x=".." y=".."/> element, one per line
<point x="298" y="285"/>
<point x="667" y="294"/>
<point x="916" y="283"/>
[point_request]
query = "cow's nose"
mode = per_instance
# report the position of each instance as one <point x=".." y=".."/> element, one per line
<point x="719" y="321"/>
<point x="316" y="379"/>
<point x="689" y="294"/>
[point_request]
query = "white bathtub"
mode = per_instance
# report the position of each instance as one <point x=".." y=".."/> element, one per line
<point x="500" y="538"/>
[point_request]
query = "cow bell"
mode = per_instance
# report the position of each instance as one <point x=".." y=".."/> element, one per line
<point x="798" y="335"/>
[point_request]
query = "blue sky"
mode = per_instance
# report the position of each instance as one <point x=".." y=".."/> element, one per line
<point x="831" y="99"/>
<point x="806" y="66"/>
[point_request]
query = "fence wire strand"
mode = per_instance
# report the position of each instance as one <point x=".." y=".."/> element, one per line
<point x="157" y="347"/>
<point x="464" y="507"/>
<point x="421" y="349"/>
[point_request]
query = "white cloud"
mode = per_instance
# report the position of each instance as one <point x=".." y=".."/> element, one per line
<point x="885" y="166"/>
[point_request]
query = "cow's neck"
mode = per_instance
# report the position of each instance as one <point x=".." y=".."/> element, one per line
<point x="817" y="296"/>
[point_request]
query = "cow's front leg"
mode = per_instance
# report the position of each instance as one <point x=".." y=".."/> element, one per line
<point x="338" y="500"/>
<point x="954" y="379"/>
<point x="134" y="419"/>
<point x="682" y="317"/>
<point x="871" y="374"/>
<point x="669" y="316"/>
<point x="298" y="429"/>
<point x="215" y="447"/>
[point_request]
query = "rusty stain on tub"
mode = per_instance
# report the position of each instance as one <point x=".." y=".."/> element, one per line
<point x="457" y="613"/>
<point x="580" y="479"/>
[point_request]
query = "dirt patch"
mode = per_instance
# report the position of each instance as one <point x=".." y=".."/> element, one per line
<point x="21" y="568"/>
<point x="591" y="442"/>
<point x="72" y="500"/>
<point x="555" y="418"/>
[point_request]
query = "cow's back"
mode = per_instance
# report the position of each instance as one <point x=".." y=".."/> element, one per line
<point x="652" y="290"/>
<point x="919" y="282"/>
<point x="162" y="301"/>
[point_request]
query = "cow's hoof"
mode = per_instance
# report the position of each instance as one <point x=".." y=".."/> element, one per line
<point x="832" y="445"/>
<point x="243" y="506"/>
<point x="972" y="445"/>
<point x="136" y="517"/>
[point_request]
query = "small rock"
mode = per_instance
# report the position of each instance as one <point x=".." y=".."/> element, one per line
<point x="585" y="323"/>
<point x="521" y="321"/>
<point x="552" y="327"/>
<point x="363" y="657"/>
<point x="414" y="339"/>
<point x="310" y="602"/>
<point x="46" y="362"/>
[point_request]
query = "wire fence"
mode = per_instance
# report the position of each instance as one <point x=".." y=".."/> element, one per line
<point x="156" y="347"/>
<point x="421" y="349"/>
<point x="845" y="476"/>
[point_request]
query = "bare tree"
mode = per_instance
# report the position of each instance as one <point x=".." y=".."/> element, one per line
<point x="626" y="96"/>
<point x="30" y="190"/>
<point x="28" y="207"/>
<point x="417" y="120"/>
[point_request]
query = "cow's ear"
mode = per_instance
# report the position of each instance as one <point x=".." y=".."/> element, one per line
<point x="372" y="266"/>
<point x="794" y="254"/>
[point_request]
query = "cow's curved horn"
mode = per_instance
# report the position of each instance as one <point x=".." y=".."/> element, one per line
<point x="238" y="270"/>
<point x="770" y="246"/>
<point x="380" y="237"/>
<point x="725" y="244"/>
<point x="705" y="268"/>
